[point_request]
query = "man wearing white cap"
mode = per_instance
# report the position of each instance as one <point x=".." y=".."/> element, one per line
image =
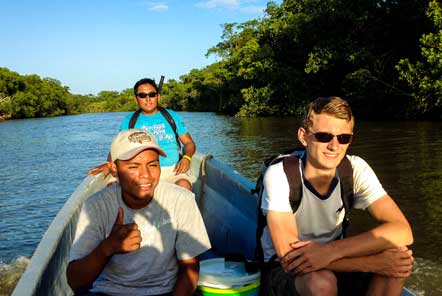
<point x="139" y="236"/>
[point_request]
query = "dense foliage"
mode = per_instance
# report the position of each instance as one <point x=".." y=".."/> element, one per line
<point x="303" y="49"/>
<point x="425" y="77"/>
<point x="30" y="96"/>
<point x="384" y="56"/>
<point x="27" y="96"/>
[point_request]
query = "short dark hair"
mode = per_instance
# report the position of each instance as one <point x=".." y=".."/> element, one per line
<point x="145" y="81"/>
<point x="334" y="106"/>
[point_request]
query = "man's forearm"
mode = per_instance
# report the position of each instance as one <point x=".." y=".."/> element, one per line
<point x="83" y="272"/>
<point x="356" y="264"/>
<point x="305" y="258"/>
<point x="392" y="263"/>
<point x="189" y="149"/>
<point x="187" y="280"/>
<point x="385" y="236"/>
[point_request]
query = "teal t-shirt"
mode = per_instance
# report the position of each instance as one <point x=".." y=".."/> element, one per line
<point x="157" y="125"/>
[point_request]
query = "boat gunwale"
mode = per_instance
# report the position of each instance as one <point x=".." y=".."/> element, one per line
<point x="44" y="253"/>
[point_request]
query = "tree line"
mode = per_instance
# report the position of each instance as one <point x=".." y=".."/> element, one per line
<point x="28" y="96"/>
<point x="383" y="56"/>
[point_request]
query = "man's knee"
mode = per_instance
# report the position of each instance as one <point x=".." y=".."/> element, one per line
<point x="381" y="285"/>
<point x="321" y="282"/>
<point x="184" y="183"/>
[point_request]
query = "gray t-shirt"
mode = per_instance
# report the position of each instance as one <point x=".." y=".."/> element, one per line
<point x="171" y="229"/>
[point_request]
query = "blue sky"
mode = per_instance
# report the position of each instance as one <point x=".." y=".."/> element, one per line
<point x="95" y="45"/>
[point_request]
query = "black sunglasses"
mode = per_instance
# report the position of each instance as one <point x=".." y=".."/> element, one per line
<point x="327" y="137"/>
<point x="143" y="95"/>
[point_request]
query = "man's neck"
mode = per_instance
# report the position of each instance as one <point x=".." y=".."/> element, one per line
<point x="149" y="113"/>
<point x="320" y="179"/>
<point x="133" y="203"/>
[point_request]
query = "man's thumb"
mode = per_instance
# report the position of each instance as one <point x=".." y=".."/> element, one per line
<point x="299" y="244"/>
<point x="120" y="217"/>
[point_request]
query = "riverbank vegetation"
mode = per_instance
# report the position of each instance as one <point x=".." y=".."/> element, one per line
<point x="383" y="56"/>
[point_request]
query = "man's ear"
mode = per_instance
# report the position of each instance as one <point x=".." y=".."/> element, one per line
<point x="159" y="97"/>
<point x="113" y="169"/>
<point x="136" y="101"/>
<point x="302" y="136"/>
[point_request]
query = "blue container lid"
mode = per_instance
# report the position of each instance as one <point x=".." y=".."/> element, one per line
<point x="217" y="273"/>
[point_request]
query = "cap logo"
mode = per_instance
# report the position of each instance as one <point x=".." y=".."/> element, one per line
<point x="139" y="137"/>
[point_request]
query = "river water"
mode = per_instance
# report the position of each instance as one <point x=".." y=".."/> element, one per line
<point x="43" y="160"/>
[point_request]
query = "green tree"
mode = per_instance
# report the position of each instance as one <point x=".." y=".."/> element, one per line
<point x="126" y="101"/>
<point x="10" y="83"/>
<point x="425" y="77"/>
<point x="303" y="49"/>
<point x="330" y="47"/>
<point x="40" y="98"/>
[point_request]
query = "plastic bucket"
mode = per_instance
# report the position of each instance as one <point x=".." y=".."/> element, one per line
<point x="226" y="278"/>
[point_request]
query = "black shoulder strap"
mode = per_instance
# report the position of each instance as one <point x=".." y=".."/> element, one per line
<point x="345" y="172"/>
<point x="166" y="115"/>
<point x="291" y="170"/>
<point x="172" y="123"/>
<point x="261" y="223"/>
<point x="134" y="118"/>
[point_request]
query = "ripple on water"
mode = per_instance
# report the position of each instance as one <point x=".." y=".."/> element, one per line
<point x="426" y="278"/>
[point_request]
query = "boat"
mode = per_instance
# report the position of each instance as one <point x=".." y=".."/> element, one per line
<point x="223" y="195"/>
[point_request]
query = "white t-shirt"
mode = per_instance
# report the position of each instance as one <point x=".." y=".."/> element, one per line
<point x="318" y="218"/>
<point x="171" y="229"/>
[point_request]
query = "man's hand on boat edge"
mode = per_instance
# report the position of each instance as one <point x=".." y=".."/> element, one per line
<point x="104" y="168"/>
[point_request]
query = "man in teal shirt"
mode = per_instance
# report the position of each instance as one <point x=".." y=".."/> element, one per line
<point x="174" y="169"/>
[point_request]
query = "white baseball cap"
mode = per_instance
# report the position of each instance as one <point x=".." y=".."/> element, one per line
<point x="129" y="143"/>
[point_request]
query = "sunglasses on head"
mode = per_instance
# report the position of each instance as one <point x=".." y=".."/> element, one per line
<point x="144" y="95"/>
<point x="327" y="137"/>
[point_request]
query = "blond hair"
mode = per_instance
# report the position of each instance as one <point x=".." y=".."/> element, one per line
<point x="334" y="106"/>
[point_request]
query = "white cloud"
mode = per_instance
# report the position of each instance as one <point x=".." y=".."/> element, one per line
<point x="157" y="6"/>
<point x="244" y="6"/>
<point x="211" y="4"/>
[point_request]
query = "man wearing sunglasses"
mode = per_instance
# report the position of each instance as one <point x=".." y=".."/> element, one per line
<point x="314" y="257"/>
<point x="174" y="169"/>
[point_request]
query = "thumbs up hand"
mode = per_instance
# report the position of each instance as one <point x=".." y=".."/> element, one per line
<point x="123" y="238"/>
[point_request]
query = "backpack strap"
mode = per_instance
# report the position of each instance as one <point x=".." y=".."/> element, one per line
<point x="172" y="123"/>
<point x="291" y="170"/>
<point x="345" y="172"/>
<point x="166" y="115"/>
<point x="134" y="119"/>
<point x="261" y="224"/>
